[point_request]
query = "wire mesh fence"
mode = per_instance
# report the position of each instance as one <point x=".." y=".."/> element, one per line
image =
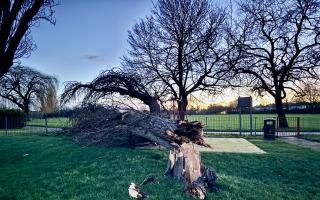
<point x="33" y="126"/>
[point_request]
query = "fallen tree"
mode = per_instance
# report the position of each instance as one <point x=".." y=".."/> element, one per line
<point x="113" y="82"/>
<point x="97" y="125"/>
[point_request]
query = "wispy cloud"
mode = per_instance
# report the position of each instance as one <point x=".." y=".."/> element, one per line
<point x="93" y="58"/>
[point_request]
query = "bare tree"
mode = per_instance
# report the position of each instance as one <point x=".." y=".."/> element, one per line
<point x="25" y="86"/>
<point x="180" y="46"/>
<point x="16" y="18"/>
<point x="112" y="82"/>
<point x="310" y="94"/>
<point x="277" y="46"/>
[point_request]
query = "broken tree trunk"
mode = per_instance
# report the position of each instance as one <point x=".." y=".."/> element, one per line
<point x="185" y="164"/>
<point x="109" y="127"/>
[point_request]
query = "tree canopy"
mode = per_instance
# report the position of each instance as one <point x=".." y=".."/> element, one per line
<point x="25" y="87"/>
<point x="180" y="48"/>
<point x="277" y="43"/>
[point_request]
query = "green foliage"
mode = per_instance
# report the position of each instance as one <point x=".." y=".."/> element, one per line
<point x="15" y="118"/>
<point x="48" y="168"/>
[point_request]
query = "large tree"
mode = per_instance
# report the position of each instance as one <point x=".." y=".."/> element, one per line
<point x="25" y="87"/>
<point x="16" y="19"/>
<point x="180" y="48"/>
<point x="277" y="45"/>
<point x="112" y="82"/>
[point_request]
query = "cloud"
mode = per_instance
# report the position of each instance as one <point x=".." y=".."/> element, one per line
<point x="93" y="58"/>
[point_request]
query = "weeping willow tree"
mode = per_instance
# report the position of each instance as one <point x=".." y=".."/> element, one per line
<point x="115" y="82"/>
<point x="26" y="87"/>
<point x="48" y="100"/>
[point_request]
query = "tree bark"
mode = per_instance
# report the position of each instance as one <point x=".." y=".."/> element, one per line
<point x="4" y="67"/>
<point x="283" y="123"/>
<point x="154" y="106"/>
<point x="182" y="108"/>
<point x="185" y="164"/>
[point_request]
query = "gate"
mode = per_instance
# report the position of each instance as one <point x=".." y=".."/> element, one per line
<point x="293" y="129"/>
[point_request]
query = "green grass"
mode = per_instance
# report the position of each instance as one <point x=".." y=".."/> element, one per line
<point x="28" y="131"/>
<point x="57" y="168"/>
<point x="52" y="122"/>
<point x="230" y="122"/>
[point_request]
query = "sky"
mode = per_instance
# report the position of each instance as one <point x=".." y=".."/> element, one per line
<point x="91" y="36"/>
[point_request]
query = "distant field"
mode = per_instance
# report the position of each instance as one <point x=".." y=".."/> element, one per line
<point x="308" y="122"/>
<point x="52" y="122"/>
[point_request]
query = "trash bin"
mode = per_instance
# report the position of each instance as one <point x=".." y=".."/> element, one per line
<point x="269" y="129"/>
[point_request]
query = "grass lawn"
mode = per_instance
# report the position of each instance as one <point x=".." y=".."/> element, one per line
<point x="27" y="131"/>
<point x="52" y="122"/>
<point x="57" y="168"/>
<point x="230" y="122"/>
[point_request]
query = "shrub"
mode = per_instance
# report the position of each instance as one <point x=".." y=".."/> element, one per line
<point x="15" y="118"/>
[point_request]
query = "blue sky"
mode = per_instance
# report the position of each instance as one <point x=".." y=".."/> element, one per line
<point x="89" y="36"/>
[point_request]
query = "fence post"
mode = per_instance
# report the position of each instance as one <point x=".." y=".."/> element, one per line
<point x="298" y="126"/>
<point x="240" y="122"/>
<point x="206" y="125"/>
<point x="6" y="124"/>
<point x="46" y="123"/>
<point x="250" y="121"/>
<point x="255" y="125"/>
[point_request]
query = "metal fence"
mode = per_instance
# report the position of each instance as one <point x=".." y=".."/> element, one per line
<point x="232" y="124"/>
<point x="33" y="126"/>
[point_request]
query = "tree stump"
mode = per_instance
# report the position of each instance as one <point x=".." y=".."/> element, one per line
<point x="185" y="164"/>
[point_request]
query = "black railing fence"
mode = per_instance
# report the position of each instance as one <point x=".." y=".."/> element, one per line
<point x="34" y="126"/>
<point x="212" y="124"/>
<point x="233" y="124"/>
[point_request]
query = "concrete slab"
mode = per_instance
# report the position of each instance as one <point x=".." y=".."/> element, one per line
<point x="230" y="145"/>
<point x="302" y="142"/>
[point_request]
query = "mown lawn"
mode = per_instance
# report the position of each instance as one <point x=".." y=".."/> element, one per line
<point x="57" y="168"/>
<point x="51" y="122"/>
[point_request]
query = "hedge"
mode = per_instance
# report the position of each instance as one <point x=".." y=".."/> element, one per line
<point x="15" y="118"/>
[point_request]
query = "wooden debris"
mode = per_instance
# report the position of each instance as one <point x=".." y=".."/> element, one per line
<point x="135" y="192"/>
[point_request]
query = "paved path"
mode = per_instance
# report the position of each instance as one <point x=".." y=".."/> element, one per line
<point x="302" y="142"/>
<point x="230" y="145"/>
<point x="257" y="132"/>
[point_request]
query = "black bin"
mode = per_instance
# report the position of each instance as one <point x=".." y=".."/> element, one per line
<point x="269" y="129"/>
